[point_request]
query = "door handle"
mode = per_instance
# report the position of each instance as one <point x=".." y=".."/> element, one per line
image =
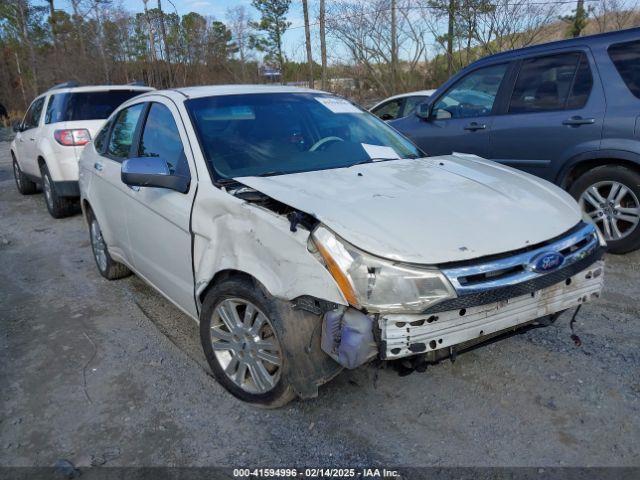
<point x="577" y="121"/>
<point x="32" y="139"/>
<point x="97" y="166"/>
<point x="473" y="126"/>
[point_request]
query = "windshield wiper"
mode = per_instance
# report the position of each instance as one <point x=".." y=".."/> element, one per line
<point x="273" y="173"/>
<point x="371" y="160"/>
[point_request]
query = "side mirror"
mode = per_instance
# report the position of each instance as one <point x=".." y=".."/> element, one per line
<point x="424" y="111"/>
<point x="152" y="172"/>
<point x="17" y="126"/>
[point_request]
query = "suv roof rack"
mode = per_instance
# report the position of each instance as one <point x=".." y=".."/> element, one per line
<point x="69" y="84"/>
<point x="137" y="83"/>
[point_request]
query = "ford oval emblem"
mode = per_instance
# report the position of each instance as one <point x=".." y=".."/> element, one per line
<point x="546" y="262"/>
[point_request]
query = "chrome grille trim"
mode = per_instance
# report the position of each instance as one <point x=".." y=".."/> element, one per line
<point x="585" y="237"/>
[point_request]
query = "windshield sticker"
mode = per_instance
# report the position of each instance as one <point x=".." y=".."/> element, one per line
<point x="378" y="152"/>
<point x="338" y="105"/>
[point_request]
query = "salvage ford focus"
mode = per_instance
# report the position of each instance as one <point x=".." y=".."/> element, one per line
<point x="305" y="235"/>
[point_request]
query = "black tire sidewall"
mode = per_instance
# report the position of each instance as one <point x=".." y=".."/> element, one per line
<point x="23" y="184"/>
<point x="53" y="208"/>
<point x="630" y="179"/>
<point x="245" y="289"/>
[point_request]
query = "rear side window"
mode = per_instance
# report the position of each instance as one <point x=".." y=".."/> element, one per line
<point x="626" y="58"/>
<point x="65" y="107"/>
<point x="32" y="117"/>
<point x="101" y="138"/>
<point x="123" y="131"/>
<point x="161" y="138"/>
<point x="553" y="82"/>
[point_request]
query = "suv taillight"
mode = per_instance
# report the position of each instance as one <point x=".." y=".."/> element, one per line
<point x="74" y="137"/>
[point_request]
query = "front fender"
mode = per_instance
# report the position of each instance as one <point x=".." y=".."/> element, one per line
<point x="231" y="234"/>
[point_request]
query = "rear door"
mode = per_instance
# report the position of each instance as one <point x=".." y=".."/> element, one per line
<point x="461" y="118"/>
<point x="158" y="219"/>
<point x="555" y="111"/>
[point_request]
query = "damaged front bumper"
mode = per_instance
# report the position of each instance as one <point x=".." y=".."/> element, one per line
<point x="493" y="295"/>
<point x="404" y="335"/>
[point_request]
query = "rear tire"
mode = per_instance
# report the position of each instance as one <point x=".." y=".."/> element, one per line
<point x="107" y="266"/>
<point x="59" y="207"/>
<point x="24" y="185"/>
<point x="610" y="194"/>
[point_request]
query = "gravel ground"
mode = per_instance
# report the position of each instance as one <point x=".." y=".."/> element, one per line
<point x="108" y="373"/>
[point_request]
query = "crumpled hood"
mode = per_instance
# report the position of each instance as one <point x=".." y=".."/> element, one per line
<point x="431" y="210"/>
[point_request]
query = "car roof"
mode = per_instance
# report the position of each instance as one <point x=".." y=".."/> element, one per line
<point x="215" y="90"/>
<point x="417" y="93"/>
<point x="98" y="88"/>
<point x="597" y="39"/>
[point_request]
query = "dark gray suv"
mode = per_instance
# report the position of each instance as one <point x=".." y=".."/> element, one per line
<point x="565" y="111"/>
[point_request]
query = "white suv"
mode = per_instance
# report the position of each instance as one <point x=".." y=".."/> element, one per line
<point x="51" y="136"/>
<point x="305" y="235"/>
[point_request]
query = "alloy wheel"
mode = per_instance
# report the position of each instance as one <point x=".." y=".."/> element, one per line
<point x="613" y="207"/>
<point x="98" y="245"/>
<point x="245" y="345"/>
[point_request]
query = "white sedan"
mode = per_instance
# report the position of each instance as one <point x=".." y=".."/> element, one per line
<point x="401" y="105"/>
<point x="306" y="235"/>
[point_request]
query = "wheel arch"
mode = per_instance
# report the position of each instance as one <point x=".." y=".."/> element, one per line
<point x="224" y="275"/>
<point x="580" y="164"/>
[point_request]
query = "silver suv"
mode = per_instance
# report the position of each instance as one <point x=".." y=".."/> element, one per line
<point x="52" y="134"/>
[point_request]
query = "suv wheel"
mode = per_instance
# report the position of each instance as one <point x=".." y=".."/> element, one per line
<point x="107" y="266"/>
<point x="59" y="207"/>
<point x="241" y="335"/>
<point x="610" y="195"/>
<point x="24" y="185"/>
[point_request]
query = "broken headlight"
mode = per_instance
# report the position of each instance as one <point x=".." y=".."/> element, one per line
<point x="376" y="284"/>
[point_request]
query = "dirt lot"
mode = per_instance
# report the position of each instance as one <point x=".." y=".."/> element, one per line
<point x="110" y="373"/>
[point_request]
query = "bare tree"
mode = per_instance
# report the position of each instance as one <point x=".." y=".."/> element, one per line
<point x="323" y="45"/>
<point x="239" y="22"/>
<point x="307" y="37"/>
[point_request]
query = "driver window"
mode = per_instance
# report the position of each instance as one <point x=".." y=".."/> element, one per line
<point x="472" y="96"/>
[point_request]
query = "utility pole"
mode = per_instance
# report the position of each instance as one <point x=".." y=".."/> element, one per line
<point x="307" y="34"/>
<point x="323" y="47"/>
<point x="452" y="13"/>
<point x="152" y="44"/>
<point x="394" y="50"/>
<point x="163" y="32"/>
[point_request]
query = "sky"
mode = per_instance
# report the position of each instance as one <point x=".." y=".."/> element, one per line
<point x="293" y="39"/>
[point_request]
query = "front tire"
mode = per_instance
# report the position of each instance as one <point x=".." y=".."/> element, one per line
<point x="59" y="207"/>
<point x="610" y="195"/>
<point x="107" y="266"/>
<point x="24" y="185"/>
<point x="241" y="335"/>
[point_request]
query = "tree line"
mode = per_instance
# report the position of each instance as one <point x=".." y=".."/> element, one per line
<point x="361" y="48"/>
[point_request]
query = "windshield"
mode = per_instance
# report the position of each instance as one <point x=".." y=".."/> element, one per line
<point x="272" y="134"/>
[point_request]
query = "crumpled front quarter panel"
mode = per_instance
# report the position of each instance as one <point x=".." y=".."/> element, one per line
<point x="231" y="234"/>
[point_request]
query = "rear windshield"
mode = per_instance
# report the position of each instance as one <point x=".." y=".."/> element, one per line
<point x="64" y="107"/>
<point x="626" y="58"/>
